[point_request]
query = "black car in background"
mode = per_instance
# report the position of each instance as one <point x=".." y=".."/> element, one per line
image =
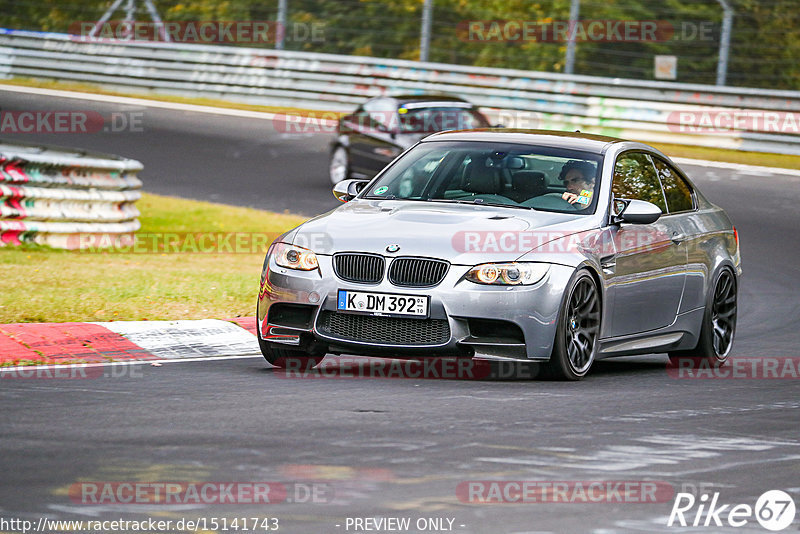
<point x="381" y="128"/>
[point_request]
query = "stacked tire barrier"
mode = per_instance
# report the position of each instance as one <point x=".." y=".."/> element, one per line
<point x="636" y="109"/>
<point x="61" y="198"/>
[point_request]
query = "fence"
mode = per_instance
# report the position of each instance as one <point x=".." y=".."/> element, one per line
<point x="53" y="197"/>
<point x="726" y="117"/>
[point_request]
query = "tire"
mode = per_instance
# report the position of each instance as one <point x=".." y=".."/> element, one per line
<point x="719" y="325"/>
<point x="578" y="330"/>
<point x="339" y="167"/>
<point x="292" y="359"/>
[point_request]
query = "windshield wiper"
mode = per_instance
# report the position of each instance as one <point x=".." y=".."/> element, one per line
<point x="482" y="203"/>
<point x="451" y="201"/>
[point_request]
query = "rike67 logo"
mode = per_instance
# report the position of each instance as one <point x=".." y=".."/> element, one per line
<point x="774" y="510"/>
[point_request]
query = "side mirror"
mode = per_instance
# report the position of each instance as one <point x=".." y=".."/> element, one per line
<point x="346" y="190"/>
<point x="639" y="212"/>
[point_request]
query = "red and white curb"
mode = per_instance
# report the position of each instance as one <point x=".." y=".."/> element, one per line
<point x="124" y="341"/>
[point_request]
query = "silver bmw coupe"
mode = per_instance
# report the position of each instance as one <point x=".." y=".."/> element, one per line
<point x="508" y="245"/>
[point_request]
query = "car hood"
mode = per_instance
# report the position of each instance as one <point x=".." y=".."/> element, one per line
<point x="459" y="233"/>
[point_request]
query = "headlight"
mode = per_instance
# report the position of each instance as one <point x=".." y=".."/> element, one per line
<point x="294" y="257"/>
<point x="507" y="274"/>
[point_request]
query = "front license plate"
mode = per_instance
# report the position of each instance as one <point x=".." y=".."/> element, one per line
<point x="382" y="303"/>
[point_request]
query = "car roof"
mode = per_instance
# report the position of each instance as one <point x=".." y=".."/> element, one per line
<point x="549" y="138"/>
<point x="420" y="99"/>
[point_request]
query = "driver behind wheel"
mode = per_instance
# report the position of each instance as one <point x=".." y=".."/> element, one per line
<point x="578" y="177"/>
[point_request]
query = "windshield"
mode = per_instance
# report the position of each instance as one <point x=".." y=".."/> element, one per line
<point x="510" y="175"/>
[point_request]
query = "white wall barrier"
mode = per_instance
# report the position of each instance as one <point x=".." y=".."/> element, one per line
<point x="56" y="197"/>
<point x="726" y="117"/>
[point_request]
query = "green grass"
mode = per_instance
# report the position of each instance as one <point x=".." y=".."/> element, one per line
<point x="785" y="161"/>
<point x="38" y="284"/>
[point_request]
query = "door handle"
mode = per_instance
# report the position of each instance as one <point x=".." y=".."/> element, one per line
<point x="678" y="238"/>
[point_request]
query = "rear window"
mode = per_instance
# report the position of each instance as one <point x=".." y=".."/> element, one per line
<point x="439" y="119"/>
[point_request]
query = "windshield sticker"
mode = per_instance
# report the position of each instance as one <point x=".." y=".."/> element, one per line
<point x="381" y="190"/>
<point x="586" y="193"/>
<point x="583" y="200"/>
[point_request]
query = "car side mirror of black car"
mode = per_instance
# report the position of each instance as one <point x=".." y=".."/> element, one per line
<point x="346" y="190"/>
<point x="498" y="125"/>
<point x="637" y="212"/>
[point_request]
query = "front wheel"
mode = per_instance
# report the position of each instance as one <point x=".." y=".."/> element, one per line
<point x="578" y="330"/>
<point x="339" y="168"/>
<point x="719" y="326"/>
<point x="290" y="359"/>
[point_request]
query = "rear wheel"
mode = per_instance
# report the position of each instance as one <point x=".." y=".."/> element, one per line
<point x="719" y="326"/>
<point x="339" y="168"/>
<point x="578" y="330"/>
<point x="291" y="359"/>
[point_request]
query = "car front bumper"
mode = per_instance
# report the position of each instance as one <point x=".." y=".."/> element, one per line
<point x="465" y="319"/>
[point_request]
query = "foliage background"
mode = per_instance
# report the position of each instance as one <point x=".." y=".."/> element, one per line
<point x="765" y="48"/>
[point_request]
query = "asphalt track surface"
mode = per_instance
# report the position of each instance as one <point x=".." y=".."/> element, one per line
<point x="400" y="448"/>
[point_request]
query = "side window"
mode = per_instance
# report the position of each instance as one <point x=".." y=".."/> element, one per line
<point x="364" y="122"/>
<point x="382" y="113"/>
<point x="635" y="178"/>
<point x="677" y="191"/>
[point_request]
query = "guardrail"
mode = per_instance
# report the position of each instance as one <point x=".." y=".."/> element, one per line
<point x="726" y="117"/>
<point x="58" y="197"/>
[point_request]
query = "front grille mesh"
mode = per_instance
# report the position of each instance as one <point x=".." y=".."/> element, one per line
<point x="417" y="272"/>
<point x="384" y="330"/>
<point x="360" y="268"/>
